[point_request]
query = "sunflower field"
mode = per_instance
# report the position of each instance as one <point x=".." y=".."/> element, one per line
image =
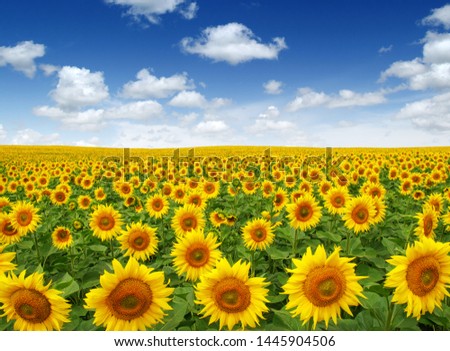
<point x="225" y="238"/>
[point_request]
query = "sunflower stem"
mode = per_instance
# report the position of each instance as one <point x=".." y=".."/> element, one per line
<point x="389" y="315"/>
<point x="253" y="267"/>
<point x="347" y="248"/>
<point x="38" y="255"/>
<point x="294" y="244"/>
<point x="112" y="249"/>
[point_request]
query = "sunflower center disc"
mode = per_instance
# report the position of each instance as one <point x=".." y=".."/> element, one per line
<point x="324" y="286"/>
<point x="304" y="213"/>
<point x="259" y="234"/>
<point x="427" y="226"/>
<point x="139" y="240"/>
<point x="24" y="219"/>
<point x="106" y="223"/>
<point x="232" y="295"/>
<point x="63" y="235"/>
<point x="189" y="223"/>
<point x="157" y="204"/>
<point x="8" y="229"/>
<point x="31" y="305"/>
<point x="422" y="275"/>
<point x="130" y="299"/>
<point x="360" y="215"/>
<point x="197" y="256"/>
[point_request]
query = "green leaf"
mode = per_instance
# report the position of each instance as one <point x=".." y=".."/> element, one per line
<point x="175" y="316"/>
<point x="67" y="285"/>
<point x="98" y="248"/>
<point x="334" y="237"/>
<point x="277" y="254"/>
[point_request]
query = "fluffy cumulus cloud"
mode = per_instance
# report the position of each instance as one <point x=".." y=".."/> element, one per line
<point x="439" y="16"/>
<point x="211" y="126"/>
<point x="79" y="87"/>
<point x="32" y="137"/>
<point x="21" y="57"/>
<point x="431" y="71"/>
<point x="233" y="43"/>
<point x="307" y="97"/>
<point x="273" y="87"/>
<point x="49" y="69"/>
<point x="153" y="9"/>
<point x="268" y="121"/>
<point x="147" y="85"/>
<point x="432" y="113"/>
<point x="188" y="99"/>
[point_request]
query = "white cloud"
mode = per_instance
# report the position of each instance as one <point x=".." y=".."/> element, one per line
<point x="153" y="9"/>
<point x="211" y="126"/>
<point x="307" y="97"/>
<point x="439" y="16"/>
<point x="267" y="122"/>
<point x="432" y="113"/>
<point x="273" y="87"/>
<point x="139" y="110"/>
<point x="149" y="86"/>
<point x="432" y="71"/>
<point x="79" y="87"/>
<point x="49" y="69"/>
<point x="188" y="99"/>
<point x="94" y="141"/>
<point x="32" y="137"/>
<point x="187" y="119"/>
<point x="216" y="103"/>
<point x="233" y="43"/>
<point x="385" y="49"/>
<point x="21" y="57"/>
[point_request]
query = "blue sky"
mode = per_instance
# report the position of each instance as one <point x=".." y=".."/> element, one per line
<point x="174" y="73"/>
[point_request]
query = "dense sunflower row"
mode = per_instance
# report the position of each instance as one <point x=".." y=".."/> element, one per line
<point x="256" y="241"/>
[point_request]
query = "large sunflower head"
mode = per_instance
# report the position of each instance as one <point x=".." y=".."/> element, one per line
<point x="305" y="213"/>
<point x="5" y="260"/>
<point x="24" y="217"/>
<point x="320" y="286"/>
<point x="187" y="218"/>
<point x="33" y="305"/>
<point x="195" y="254"/>
<point x="134" y="297"/>
<point x="105" y="222"/>
<point x="139" y="240"/>
<point x="8" y="234"/>
<point x="428" y="222"/>
<point x="359" y="213"/>
<point x="62" y="238"/>
<point x="157" y="205"/>
<point x="421" y="277"/>
<point x="230" y="296"/>
<point x="336" y="198"/>
<point x="258" y="234"/>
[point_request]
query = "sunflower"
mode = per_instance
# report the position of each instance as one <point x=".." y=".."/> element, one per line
<point x="258" y="234"/>
<point x="178" y="194"/>
<point x="62" y="238"/>
<point x="324" y="187"/>
<point x="8" y="234"/>
<point x="139" y="240"/>
<point x="359" y="213"/>
<point x="157" y="206"/>
<point x="216" y="218"/>
<point x="380" y="210"/>
<point x="267" y="188"/>
<point x="437" y="201"/>
<point x="305" y="213"/>
<point x="421" y="277"/>
<point x="4" y="202"/>
<point x="210" y="189"/>
<point x="105" y="222"/>
<point x="24" y="217"/>
<point x="5" y="260"/>
<point x="59" y="197"/>
<point x="100" y="194"/>
<point x="84" y="201"/>
<point x="197" y="199"/>
<point x="187" y="218"/>
<point x="134" y="297"/>
<point x="336" y="198"/>
<point x="195" y="254"/>
<point x="321" y="286"/>
<point x="428" y="222"/>
<point x="280" y="198"/>
<point x="33" y="305"/>
<point x="230" y="296"/>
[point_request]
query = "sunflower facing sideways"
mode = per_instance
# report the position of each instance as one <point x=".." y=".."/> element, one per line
<point x="105" y="222"/>
<point x="427" y="222"/>
<point x="139" y="240"/>
<point x="134" y="297"/>
<point x="320" y="286"/>
<point x="195" y="254"/>
<point x="230" y="296"/>
<point x="33" y="305"/>
<point x="258" y="234"/>
<point x="8" y="234"/>
<point x="421" y="277"/>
